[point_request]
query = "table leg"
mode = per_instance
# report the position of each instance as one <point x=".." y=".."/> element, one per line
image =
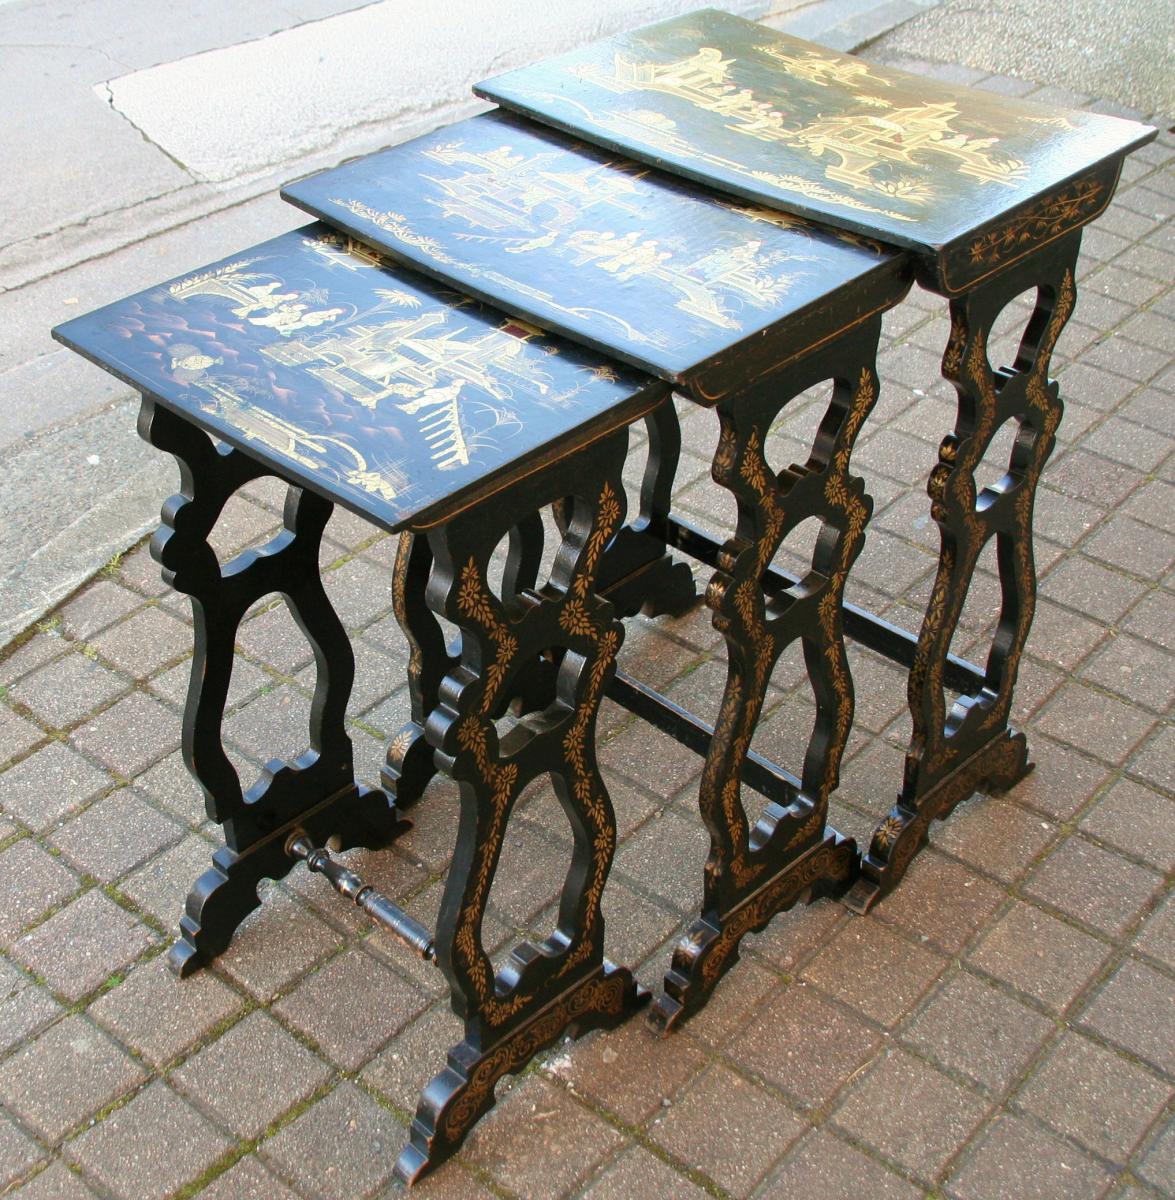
<point x="317" y="791"/>
<point x="789" y="855"/>
<point x="971" y="747"/>
<point x="562" y="985"/>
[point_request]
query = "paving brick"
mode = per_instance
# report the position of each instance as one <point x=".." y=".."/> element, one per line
<point x="1133" y="1010"/>
<point x="247" y="680"/>
<point x="638" y="1173"/>
<point x="1131" y="546"/>
<point x="1063" y="782"/>
<point x="667" y="856"/>
<point x="149" y="1147"/>
<point x="56" y="1182"/>
<point x="1157" y="936"/>
<point x="18" y="1152"/>
<point x="875" y="970"/>
<point x="95" y="607"/>
<point x="161" y="885"/>
<point x="51" y="782"/>
<point x="1135" y="670"/>
<point x="1017" y="1159"/>
<point x="1098" y="887"/>
<point x="351" y="1007"/>
<point x="1155" y="762"/>
<point x="978" y="1031"/>
<point x="65" y="690"/>
<point x="25" y="1007"/>
<point x="912" y="1114"/>
<point x="115" y="835"/>
<point x="159" y="1015"/>
<point x="130" y="734"/>
<point x="1095" y="722"/>
<point x="16" y="734"/>
<point x="29" y="655"/>
<point x="273" y="637"/>
<point x="1062" y="637"/>
<point x="82" y="944"/>
<point x="1091" y="589"/>
<point x="170" y="786"/>
<point x="1095" y="1096"/>
<point x="344" y="1146"/>
<point x="247" y="1180"/>
<point x="32" y="881"/>
<point x="539" y="1142"/>
<point x="1151" y="618"/>
<point x="401" y="1071"/>
<point x="1157" y="1165"/>
<point x="251" y="1075"/>
<point x="822" y="1165"/>
<point x="941" y="902"/>
<point x="70" y="1071"/>
<point x="1042" y="956"/>
<point x="143" y="642"/>
<point x="805" y="1045"/>
<point x="728" y="1128"/>
<point x="274" y="725"/>
<point x="275" y="945"/>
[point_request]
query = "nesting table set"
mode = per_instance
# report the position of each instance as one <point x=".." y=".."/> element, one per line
<point x="463" y="340"/>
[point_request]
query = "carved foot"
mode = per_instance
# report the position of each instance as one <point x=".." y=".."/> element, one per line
<point x="227" y="892"/>
<point x="711" y="947"/>
<point x="409" y="766"/>
<point x="995" y="768"/>
<point x="464" y="1091"/>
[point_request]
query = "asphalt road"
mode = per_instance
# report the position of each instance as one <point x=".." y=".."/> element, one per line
<point x="1124" y="51"/>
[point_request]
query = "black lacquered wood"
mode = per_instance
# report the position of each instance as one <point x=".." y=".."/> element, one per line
<point x="317" y="790"/>
<point x="963" y="745"/>
<point x="563" y="984"/>
<point x="969" y="180"/>
<point x="696" y="289"/>
<point x="362" y="381"/>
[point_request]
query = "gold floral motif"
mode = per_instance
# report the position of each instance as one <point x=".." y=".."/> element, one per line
<point x="1040" y="222"/>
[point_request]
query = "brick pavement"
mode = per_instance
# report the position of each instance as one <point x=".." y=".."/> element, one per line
<point x="1001" y="1026"/>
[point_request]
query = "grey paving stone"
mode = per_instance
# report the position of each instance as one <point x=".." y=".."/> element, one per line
<point x="149" y="1147"/>
<point x="56" y="1182"/>
<point x="143" y="642"/>
<point x="914" y="1115"/>
<point x="638" y="1173"/>
<point x="251" y="1075"/>
<point x="114" y="835"/>
<point x="1132" y="1010"/>
<point x="16" y="734"/>
<point x="82" y="944"/>
<point x="1157" y="936"/>
<point x="49" y="783"/>
<point x="823" y="1165"/>
<point x="161" y="885"/>
<point x="100" y="604"/>
<point x="1040" y="955"/>
<point x="247" y="1180"/>
<point x="1157" y="1165"/>
<point x="69" y="1072"/>
<point x="540" y="1141"/>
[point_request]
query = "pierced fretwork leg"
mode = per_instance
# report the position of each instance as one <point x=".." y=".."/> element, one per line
<point x="638" y="572"/>
<point x="317" y="791"/>
<point x="971" y="747"/>
<point x="789" y="855"/>
<point x="562" y="985"/>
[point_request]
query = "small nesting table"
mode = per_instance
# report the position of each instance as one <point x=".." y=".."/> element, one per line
<point x="360" y="384"/>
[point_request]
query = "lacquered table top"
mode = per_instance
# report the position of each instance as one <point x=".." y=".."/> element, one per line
<point x="787" y="123"/>
<point x="669" y="277"/>
<point x="358" y="378"/>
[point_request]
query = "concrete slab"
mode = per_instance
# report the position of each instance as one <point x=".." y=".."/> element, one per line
<point x="1124" y="53"/>
<point x="65" y="154"/>
<point x="278" y="99"/>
